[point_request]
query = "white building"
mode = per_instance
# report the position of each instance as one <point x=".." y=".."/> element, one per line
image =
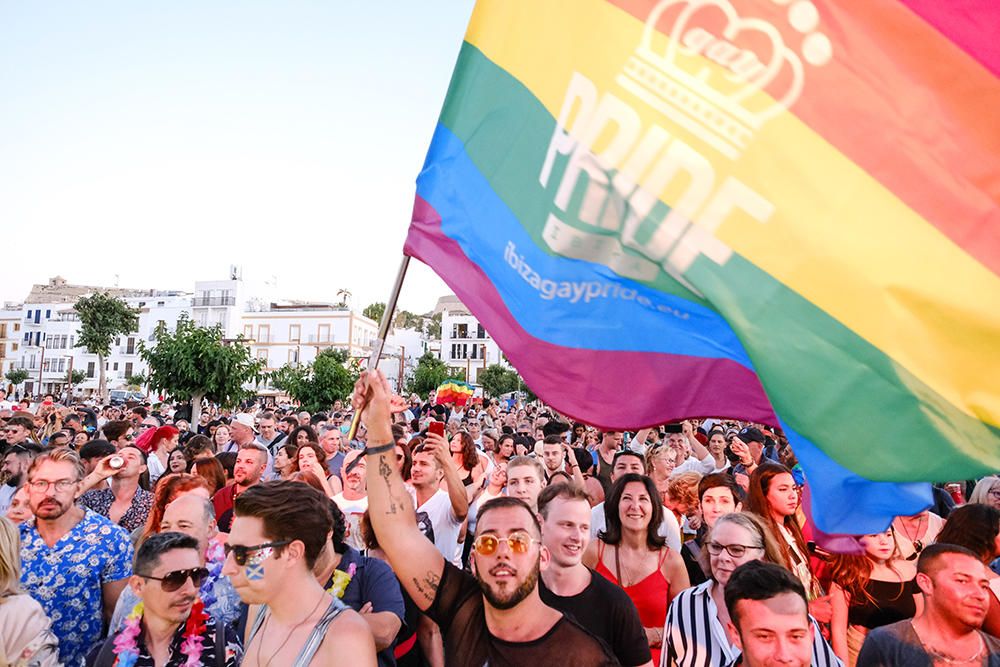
<point x="290" y="333"/>
<point x="465" y="343"/>
<point x="10" y="339"/>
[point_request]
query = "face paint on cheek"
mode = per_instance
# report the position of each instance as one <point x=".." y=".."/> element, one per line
<point x="255" y="564"/>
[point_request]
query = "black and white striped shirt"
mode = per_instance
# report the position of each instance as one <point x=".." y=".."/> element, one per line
<point x="694" y="637"/>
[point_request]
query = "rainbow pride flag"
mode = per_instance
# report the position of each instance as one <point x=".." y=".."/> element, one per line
<point x="453" y="391"/>
<point x="786" y="212"/>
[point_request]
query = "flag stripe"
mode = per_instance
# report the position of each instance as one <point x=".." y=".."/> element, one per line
<point x="971" y="24"/>
<point x="727" y="388"/>
<point x="858" y="271"/>
<point x="812" y="374"/>
<point x="937" y="78"/>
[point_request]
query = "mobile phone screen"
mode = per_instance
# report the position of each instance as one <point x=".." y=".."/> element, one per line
<point x="436" y="427"/>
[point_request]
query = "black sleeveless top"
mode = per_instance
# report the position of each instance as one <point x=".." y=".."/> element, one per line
<point x="893" y="602"/>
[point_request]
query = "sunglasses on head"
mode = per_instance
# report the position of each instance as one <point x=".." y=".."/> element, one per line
<point x="241" y="553"/>
<point x="519" y="543"/>
<point x="171" y="581"/>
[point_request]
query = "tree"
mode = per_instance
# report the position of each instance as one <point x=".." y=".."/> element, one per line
<point x="344" y="295"/>
<point x="135" y="381"/>
<point x="194" y="363"/>
<point x="374" y="311"/>
<point x="428" y="375"/>
<point x="16" y="376"/>
<point x="407" y="320"/>
<point x="102" y="319"/>
<point x="316" y="386"/>
<point x="497" y="379"/>
<point x="434" y="327"/>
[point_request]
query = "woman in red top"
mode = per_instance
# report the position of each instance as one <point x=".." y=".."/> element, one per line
<point x="632" y="554"/>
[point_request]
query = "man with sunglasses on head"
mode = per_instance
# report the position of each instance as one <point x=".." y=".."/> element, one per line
<point x="119" y="433"/>
<point x="494" y="615"/>
<point x="74" y="561"/>
<point x="170" y="626"/>
<point x="278" y="532"/>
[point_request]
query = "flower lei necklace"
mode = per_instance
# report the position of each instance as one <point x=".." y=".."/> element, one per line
<point x="340" y="581"/>
<point x="127" y="642"/>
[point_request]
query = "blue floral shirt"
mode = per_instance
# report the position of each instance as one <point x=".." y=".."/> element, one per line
<point x="67" y="578"/>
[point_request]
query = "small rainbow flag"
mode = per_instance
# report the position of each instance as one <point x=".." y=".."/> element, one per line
<point x="787" y="212"/>
<point x="454" y="391"/>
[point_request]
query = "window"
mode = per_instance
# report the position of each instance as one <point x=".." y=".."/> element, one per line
<point x="29" y="314"/>
<point x="128" y="369"/>
<point x="13" y="347"/>
<point x="17" y="326"/>
<point x="161" y="303"/>
<point x="481" y="332"/>
<point x="130" y="346"/>
<point x="248" y="331"/>
<point x="293" y="356"/>
<point x="264" y="333"/>
<point x="48" y="314"/>
<point x="90" y="369"/>
<point x="262" y="354"/>
<point x="114" y="366"/>
<point x="323" y="333"/>
<point x="3" y="330"/>
<point x="294" y="333"/>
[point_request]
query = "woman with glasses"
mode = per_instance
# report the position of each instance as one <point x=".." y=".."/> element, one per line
<point x="987" y="492"/>
<point x="638" y="559"/>
<point x="976" y="527"/>
<point x="868" y="591"/>
<point x="695" y="633"/>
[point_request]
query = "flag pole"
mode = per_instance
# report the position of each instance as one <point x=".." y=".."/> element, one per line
<point x="383" y="333"/>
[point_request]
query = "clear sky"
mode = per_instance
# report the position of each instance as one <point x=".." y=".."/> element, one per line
<point x="164" y="141"/>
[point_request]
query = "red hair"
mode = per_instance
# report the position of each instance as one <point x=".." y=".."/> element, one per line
<point x="159" y="435"/>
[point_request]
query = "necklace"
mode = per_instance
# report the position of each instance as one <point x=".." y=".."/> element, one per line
<point x="290" y="632"/>
<point x="937" y="655"/>
<point x="918" y="546"/>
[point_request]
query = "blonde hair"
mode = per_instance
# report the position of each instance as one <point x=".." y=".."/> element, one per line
<point x="683" y="488"/>
<point x="754" y="525"/>
<point x="59" y="455"/>
<point x="981" y="494"/>
<point x="10" y="558"/>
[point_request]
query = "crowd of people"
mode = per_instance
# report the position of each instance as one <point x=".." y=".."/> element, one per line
<point x="494" y="533"/>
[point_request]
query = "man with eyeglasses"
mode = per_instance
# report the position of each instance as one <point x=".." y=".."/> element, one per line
<point x="193" y="515"/>
<point x="278" y="533"/>
<point x="494" y="615"/>
<point x="170" y="625"/>
<point x="19" y="430"/>
<point x="74" y="561"/>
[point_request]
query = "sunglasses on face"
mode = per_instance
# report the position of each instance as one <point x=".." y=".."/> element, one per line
<point x="518" y="543"/>
<point x="171" y="581"/>
<point x="242" y="553"/>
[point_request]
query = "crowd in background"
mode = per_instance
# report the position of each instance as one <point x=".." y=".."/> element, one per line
<point x="145" y="534"/>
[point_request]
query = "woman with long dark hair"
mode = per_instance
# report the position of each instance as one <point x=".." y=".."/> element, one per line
<point x="639" y="561"/>
<point x="468" y="462"/>
<point x="774" y="497"/>
<point x="975" y="526"/>
<point x="870" y="590"/>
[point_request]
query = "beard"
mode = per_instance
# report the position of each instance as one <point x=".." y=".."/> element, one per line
<point x="502" y="601"/>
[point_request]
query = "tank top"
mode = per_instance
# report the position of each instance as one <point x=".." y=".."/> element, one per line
<point x="893" y="601"/>
<point x="315" y="638"/>
<point x="649" y="595"/>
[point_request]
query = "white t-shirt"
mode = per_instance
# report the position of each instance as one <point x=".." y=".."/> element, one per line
<point x="438" y="522"/>
<point x="353" y="511"/>
<point x="6" y="495"/>
<point x="669" y="529"/>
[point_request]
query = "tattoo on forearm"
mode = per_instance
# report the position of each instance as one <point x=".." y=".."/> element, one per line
<point x="385" y="472"/>
<point x="429" y="586"/>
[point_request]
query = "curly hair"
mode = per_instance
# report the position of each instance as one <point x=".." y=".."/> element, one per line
<point x="315" y="446"/>
<point x="469" y="456"/>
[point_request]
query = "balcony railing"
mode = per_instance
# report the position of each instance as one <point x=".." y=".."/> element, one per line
<point x="322" y="340"/>
<point x="206" y="301"/>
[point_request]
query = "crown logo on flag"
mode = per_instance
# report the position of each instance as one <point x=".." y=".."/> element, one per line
<point x="720" y="75"/>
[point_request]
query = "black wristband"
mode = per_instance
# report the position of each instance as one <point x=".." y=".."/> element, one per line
<point x="380" y="448"/>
